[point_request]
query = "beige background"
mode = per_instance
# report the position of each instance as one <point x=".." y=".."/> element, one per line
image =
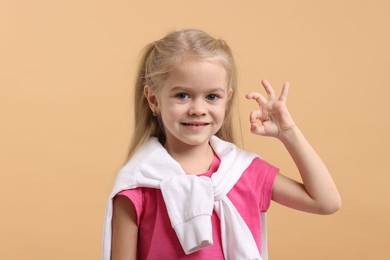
<point x="66" y="74"/>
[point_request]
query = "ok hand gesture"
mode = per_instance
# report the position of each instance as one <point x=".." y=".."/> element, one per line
<point x="272" y="118"/>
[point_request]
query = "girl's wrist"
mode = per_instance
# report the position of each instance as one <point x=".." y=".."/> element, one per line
<point x="290" y="135"/>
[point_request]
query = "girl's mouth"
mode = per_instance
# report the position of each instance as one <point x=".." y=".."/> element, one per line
<point x="195" y="124"/>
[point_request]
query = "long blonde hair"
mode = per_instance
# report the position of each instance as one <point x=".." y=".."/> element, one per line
<point x="161" y="57"/>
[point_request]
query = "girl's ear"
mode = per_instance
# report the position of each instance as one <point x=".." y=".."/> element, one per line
<point x="152" y="99"/>
<point x="230" y="94"/>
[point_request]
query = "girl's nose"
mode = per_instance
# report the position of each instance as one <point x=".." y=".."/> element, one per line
<point x="197" y="108"/>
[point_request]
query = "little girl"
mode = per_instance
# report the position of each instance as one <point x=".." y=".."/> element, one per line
<point x="187" y="192"/>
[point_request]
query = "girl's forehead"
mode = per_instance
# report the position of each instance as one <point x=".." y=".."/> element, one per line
<point x="200" y="75"/>
<point x="200" y="68"/>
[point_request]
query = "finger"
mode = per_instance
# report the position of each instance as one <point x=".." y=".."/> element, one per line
<point x="268" y="88"/>
<point x="257" y="129"/>
<point x="260" y="99"/>
<point x="283" y="95"/>
<point x="252" y="117"/>
<point x="255" y="115"/>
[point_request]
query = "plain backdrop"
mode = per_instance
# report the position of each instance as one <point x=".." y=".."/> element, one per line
<point x="66" y="74"/>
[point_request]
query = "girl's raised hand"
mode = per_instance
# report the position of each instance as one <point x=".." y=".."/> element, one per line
<point x="272" y="118"/>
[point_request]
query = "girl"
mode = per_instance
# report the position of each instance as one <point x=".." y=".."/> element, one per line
<point x="187" y="191"/>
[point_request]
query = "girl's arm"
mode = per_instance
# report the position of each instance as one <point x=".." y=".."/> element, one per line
<point x="124" y="230"/>
<point x="318" y="193"/>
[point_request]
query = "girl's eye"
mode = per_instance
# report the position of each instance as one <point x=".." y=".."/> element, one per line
<point x="212" y="97"/>
<point x="182" y="96"/>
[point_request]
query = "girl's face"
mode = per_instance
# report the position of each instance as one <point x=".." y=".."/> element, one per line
<point x="192" y="103"/>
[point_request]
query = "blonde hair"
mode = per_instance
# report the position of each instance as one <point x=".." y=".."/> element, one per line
<point x="161" y="57"/>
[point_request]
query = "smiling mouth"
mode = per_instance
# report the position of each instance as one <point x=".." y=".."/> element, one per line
<point x="195" y="124"/>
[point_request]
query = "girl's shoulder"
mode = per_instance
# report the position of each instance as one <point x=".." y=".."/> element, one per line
<point x="260" y="165"/>
<point x="260" y="171"/>
<point x="256" y="184"/>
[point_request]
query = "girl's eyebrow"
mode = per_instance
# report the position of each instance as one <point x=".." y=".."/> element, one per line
<point x="181" y="88"/>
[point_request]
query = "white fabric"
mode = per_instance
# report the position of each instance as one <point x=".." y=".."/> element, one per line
<point x="190" y="199"/>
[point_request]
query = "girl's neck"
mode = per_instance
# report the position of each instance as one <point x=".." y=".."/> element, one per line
<point x="193" y="159"/>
